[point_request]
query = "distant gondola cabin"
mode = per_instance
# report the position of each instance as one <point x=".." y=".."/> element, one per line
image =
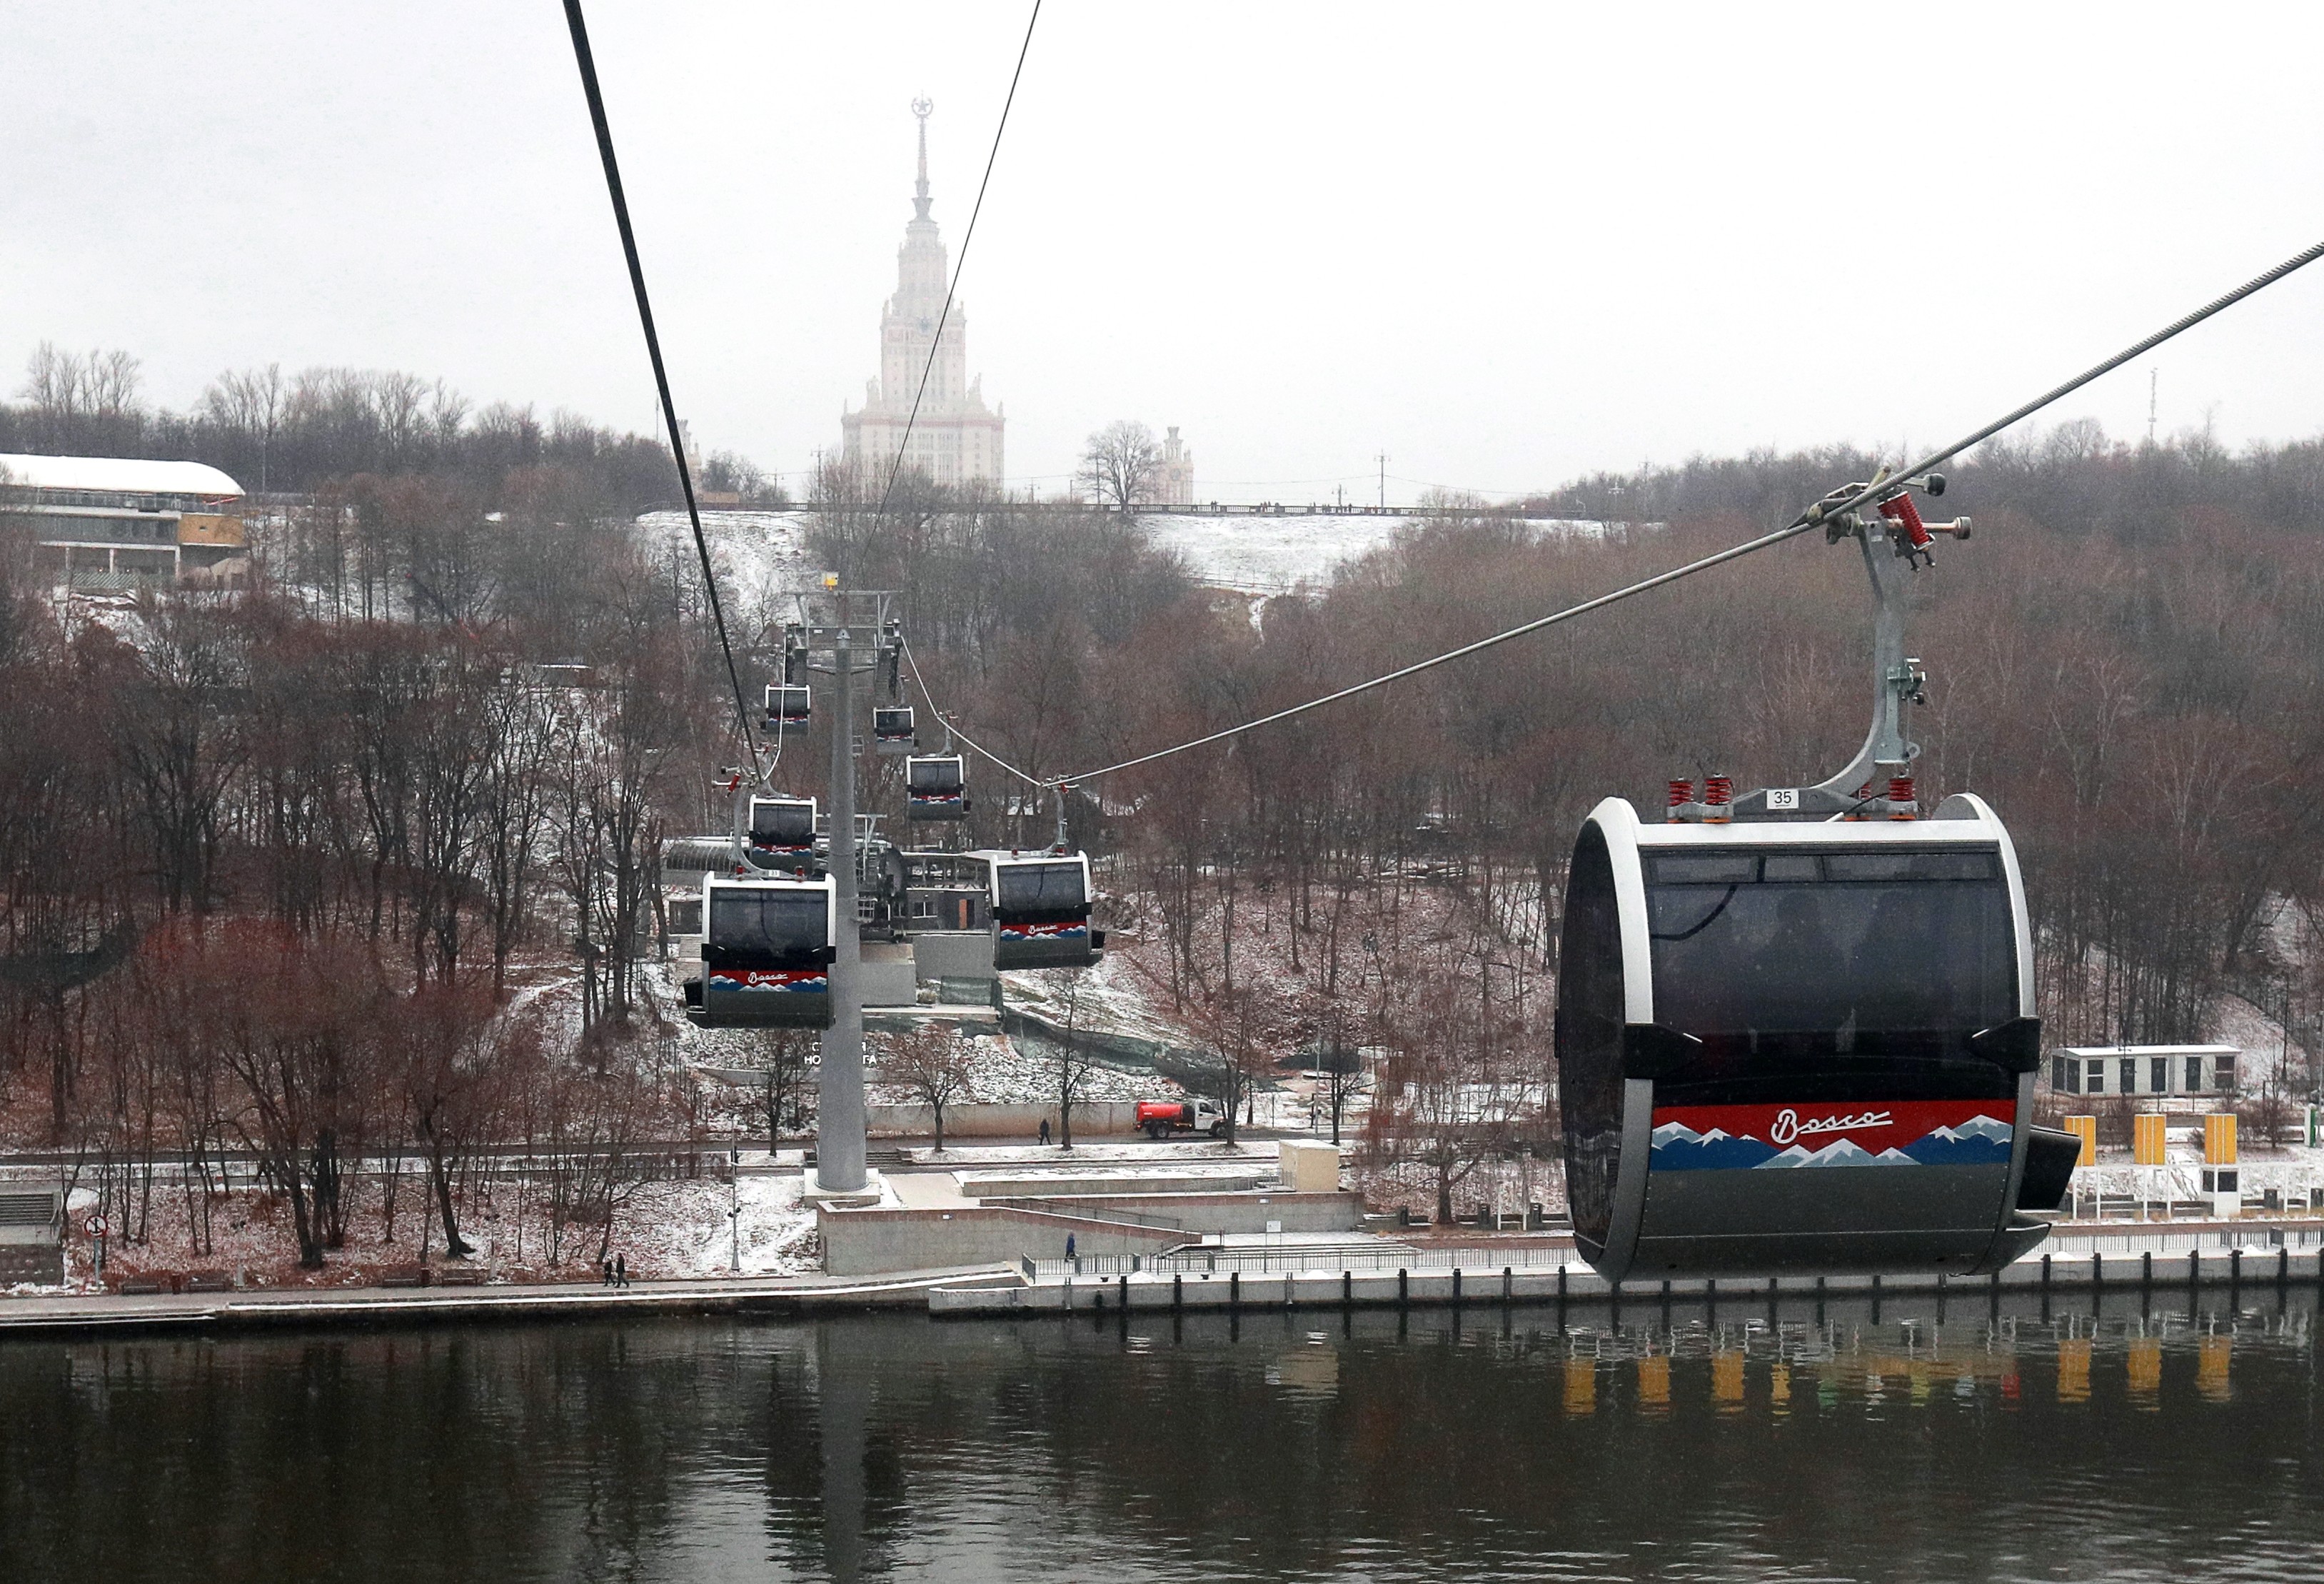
<point x="935" y="786"/>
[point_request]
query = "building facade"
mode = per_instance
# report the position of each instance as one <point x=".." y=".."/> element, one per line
<point x="956" y="439"/>
<point x="123" y="522"/>
<point x="1174" y="473"/>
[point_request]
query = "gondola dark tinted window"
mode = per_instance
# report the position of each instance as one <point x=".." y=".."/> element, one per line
<point x="1043" y="889"/>
<point x="788" y="823"/>
<point x="936" y="776"/>
<point x="771" y="923"/>
<point x="1785" y="955"/>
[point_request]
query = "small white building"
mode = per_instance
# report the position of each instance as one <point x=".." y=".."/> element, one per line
<point x="2195" y="1072"/>
<point x="123" y="522"/>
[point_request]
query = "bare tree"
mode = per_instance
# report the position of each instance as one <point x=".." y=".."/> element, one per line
<point x="936" y="1064"/>
<point x="1118" y="464"/>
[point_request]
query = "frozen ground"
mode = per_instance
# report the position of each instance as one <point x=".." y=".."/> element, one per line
<point x="764" y="553"/>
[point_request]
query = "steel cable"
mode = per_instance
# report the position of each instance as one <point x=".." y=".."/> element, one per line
<point x="1815" y="515"/>
<point x="587" y="62"/>
<point x="936" y="341"/>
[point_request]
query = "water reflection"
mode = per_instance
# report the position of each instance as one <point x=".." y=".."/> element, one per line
<point x="1492" y="1444"/>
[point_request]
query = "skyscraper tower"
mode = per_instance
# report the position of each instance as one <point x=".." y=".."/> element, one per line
<point x="956" y="439"/>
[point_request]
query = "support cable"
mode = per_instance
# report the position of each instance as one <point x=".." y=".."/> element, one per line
<point x="1814" y="516"/>
<point x="588" y="65"/>
<point x="958" y="264"/>
<point x="920" y="683"/>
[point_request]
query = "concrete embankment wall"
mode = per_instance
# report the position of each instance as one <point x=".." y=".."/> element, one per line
<point x="1146" y="1184"/>
<point x="1212" y="1212"/>
<point x="994" y="1119"/>
<point x="2246" y="1269"/>
<point x="872" y="1242"/>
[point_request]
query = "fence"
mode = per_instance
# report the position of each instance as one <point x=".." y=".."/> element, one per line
<point x="1208" y="1261"/>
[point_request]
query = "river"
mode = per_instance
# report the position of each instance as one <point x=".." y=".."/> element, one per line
<point x="2139" y="1440"/>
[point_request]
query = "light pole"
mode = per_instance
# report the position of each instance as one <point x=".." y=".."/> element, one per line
<point x="735" y="1212"/>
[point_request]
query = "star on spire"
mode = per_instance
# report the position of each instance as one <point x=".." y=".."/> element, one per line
<point x="921" y="108"/>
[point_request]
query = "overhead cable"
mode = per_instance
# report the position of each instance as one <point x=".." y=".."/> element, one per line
<point x="588" y="65"/>
<point x="958" y="264"/>
<point x="936" y="710"/>
<point x="1814" y="516"/>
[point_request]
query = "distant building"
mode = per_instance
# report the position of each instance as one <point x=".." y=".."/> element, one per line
<point x="954" y="439"/>
<point x="1174" y="473"/>
<point x="2146" y="1073"/>
<point x="118" y="523"/>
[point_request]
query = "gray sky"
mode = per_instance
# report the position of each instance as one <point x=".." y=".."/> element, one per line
<point x="1504" y="244"/>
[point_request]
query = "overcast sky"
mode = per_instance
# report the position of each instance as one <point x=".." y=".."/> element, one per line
<point x="1503" y="244"/>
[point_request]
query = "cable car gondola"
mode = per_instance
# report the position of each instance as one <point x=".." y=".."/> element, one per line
<point x="791" y="708"/>
<point x="782" y="833"/>
<point x="767" y="954"/>
<point x="892" y="730"/>
<point x="935" y="786"/>
<point x="1041" y="909"/>
<point x="1796" y="1030"/>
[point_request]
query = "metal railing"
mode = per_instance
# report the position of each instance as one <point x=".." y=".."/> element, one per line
<point x="1205" y="1261"/>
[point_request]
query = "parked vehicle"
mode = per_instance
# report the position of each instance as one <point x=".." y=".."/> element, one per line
<point x="1161" y="1118"/>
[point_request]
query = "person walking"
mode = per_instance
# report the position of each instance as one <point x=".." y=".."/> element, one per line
<point x="607" y="1267"/>
<point x="1069" y="1247"/>
<point x="621" y="1270"/>
<point x="1044" y="1132"/>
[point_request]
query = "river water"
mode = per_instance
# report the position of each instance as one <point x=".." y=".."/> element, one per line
<point x="2137" y="1441"/>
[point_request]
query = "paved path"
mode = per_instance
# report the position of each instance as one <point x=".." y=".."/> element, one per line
<point x="109" y="1314"/>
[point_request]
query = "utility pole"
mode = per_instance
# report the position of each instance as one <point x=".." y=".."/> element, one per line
<point x="1383" y="481"/>
<point x="2152" y="375"/>
<point x="839" y="1086"/>
<point x="856" y="620"/>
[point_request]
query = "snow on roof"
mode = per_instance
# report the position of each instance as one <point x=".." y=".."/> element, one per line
<point x="2150" y="1050"/>
<point x="118" y="476"/>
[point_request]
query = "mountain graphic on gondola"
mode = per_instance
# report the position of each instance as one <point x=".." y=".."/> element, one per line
<point x="1980" y="1141"/>
<point x="1838" y="1153"/>
<point x="1679" y="1148"/>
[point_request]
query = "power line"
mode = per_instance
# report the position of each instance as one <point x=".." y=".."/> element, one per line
<point x="588" y="65"/>
<point x="958" y="265"/>
<point x="1814" y="516"/>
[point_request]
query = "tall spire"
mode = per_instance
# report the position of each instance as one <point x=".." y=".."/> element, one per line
<point x="921" y="108"/>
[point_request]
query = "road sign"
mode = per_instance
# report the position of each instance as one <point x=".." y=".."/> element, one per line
<point x="96" y="1226"/>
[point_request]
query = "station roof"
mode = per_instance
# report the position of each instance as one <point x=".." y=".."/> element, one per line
<point x="2150" y="1050"/>
<point x="118" y="476"/>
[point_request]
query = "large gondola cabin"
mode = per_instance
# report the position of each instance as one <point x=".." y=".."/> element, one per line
<point x="1800" y="1046"/>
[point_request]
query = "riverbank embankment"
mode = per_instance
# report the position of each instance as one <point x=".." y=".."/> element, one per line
<point x="106" y="1314"/>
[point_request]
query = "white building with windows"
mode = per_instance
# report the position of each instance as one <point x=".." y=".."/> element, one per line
<point x="118" y="523"/>
<point x="2146" y="1073"/>
<point x="954" y="439"/>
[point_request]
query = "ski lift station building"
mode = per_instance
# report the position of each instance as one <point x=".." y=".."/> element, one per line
<point x="2197" y="1076"/>
<point x="118" y="523"/>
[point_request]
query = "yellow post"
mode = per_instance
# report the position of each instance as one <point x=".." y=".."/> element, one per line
<point x="2085" y="1128"/>
<point x="1727" y="1378"/>
<point x="2219" y="1139"/>
<point x="1581" y="1387"/>
<point x="2146" y="1138"/>
<point x="2074" y="1369"/>
<point x="1654" y="1381"/>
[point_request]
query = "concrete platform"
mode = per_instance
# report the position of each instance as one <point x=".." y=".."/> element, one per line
<point x="874" y="1191"/>
<point x="106" y="1314"/>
